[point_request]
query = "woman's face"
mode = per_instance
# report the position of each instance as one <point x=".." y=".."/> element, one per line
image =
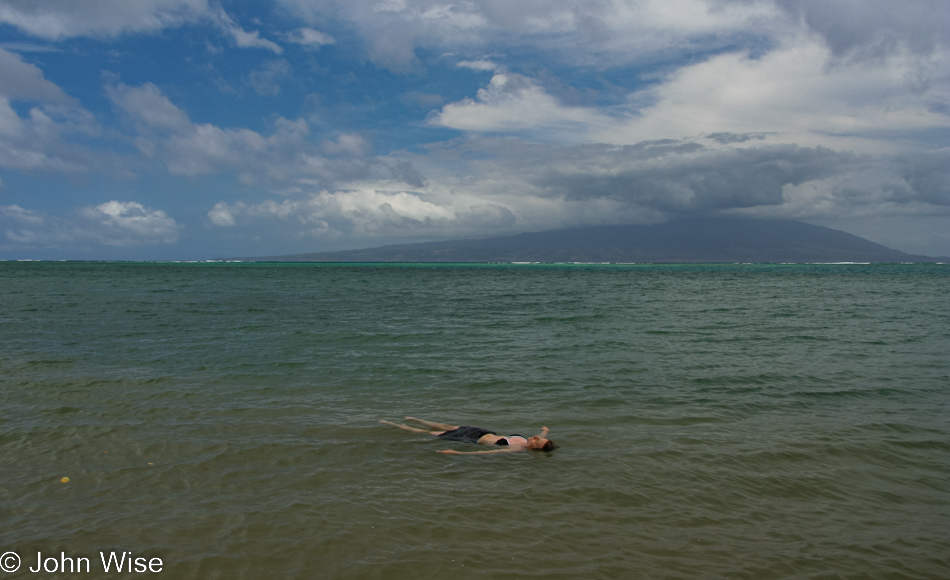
<point x="536" y="442"/>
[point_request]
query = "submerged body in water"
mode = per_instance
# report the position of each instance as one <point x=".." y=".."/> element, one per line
<point x="468" y="434"/>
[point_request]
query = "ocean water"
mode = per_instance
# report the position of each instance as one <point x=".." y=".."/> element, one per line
<point x="715" y="421"/>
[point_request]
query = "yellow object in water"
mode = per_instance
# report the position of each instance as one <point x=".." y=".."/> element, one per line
<point x="65" y="480"/>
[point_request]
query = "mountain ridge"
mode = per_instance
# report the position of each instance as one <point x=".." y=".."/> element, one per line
<point x="688" y="240"/>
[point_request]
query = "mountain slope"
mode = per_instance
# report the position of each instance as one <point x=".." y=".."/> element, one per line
<point x="688" y="240"/>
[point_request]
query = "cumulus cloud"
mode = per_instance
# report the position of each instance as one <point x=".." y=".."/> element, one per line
<point x="288" y="159"/>
<point x="128" y="223"/>
<point x="113" y="223"/>
<point x="361" y="213"/>
<point x="284" y="158"/>
<point x="515" y="103"/>
<point x="39" y="140"/>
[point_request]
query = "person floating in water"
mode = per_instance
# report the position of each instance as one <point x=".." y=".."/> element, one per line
<point x="468" y="434"/>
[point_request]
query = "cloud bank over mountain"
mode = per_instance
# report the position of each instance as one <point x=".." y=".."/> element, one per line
<point x="304" y="125"/>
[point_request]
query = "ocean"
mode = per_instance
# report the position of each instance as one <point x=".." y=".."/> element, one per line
<point x="220" y="420"/>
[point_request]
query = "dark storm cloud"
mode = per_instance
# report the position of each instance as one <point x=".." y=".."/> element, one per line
<point x="927" y="175"/>
<point x="689" y="178"/>
<point x="875" y="28"/>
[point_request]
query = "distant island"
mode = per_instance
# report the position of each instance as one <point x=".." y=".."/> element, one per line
<point x="694" y="240"/>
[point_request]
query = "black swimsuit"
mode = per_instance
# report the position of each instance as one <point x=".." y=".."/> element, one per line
<point x="468" y="434"/>
<point x="504" y="440"/>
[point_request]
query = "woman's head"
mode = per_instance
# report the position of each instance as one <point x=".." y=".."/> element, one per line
<point x="537" y="443"/>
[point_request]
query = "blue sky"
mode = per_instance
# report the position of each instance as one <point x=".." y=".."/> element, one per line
<point x="195" y="129"/>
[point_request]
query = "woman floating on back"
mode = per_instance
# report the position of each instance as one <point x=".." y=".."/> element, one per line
<point x="468" y="434"/>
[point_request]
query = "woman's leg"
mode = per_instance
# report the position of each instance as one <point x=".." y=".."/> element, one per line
<point x="443" y="426"/>
<point x="413" y="429"/>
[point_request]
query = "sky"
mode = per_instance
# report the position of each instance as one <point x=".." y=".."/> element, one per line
<point x="201" y="129"/>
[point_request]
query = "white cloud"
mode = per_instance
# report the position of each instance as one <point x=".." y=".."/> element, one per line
<point x="57" y="20"/>
<point x="284" y="158"/>
<point x="21" y="216"/>
<point x="149" y="108"/>
<point x="128" y="223"/>
<point x="348" y="144"/>
<point x="113" y="223"/>
<point x="31" y="144"/>
<point x="359" y="212"/>
<point x="188" y="148"/>
<point x="40" y="139"/>
<point x="23" y="81"/>
<point x="793" y="95"/>
<point x="221" y="215"/>
<point x="514" y="103"/>
<point x="392" y="29"/>
<point x="241" y="37"/>
<point x="310" y="37"/>
<point x="479" y="65"/>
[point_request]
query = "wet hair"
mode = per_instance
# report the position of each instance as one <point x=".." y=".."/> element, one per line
<point x="549" y="446"/>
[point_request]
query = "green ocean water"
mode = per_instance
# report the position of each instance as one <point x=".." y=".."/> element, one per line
<point x="715" y="421"/>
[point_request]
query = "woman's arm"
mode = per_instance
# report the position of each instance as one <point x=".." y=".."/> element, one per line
<point x="544" y="432"/>
<point x="454" y="452"/>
